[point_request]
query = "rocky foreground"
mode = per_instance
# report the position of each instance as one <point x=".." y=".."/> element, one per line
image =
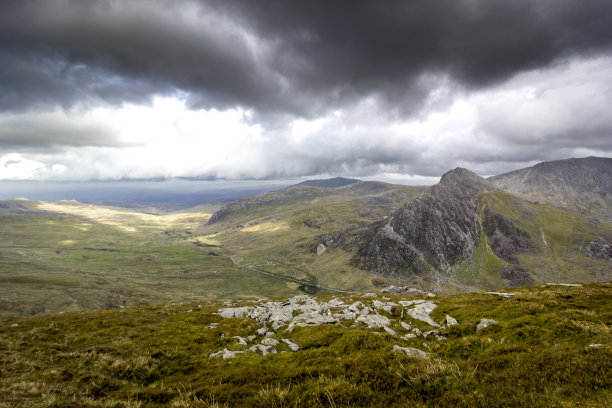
<point x="395" y="318"/>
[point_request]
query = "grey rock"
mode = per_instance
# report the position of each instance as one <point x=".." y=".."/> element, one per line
<point x="374" y="320"/>
<point x="409" y="351"/>
<point x="231" y="312"/>
<point x="417" y="331"/>
<point x="241" y="340"/>
<point x="225" y="354"/>
<point x="484" y="323"/>
<point x="293" y="346"/>
<point x="402" y="290"/>
<point x="405" y="325"/>
<point x="311" y="319"/>
<point x="390" y="331"/>
<point x="421" y="312"/>
<point x="412" y="302"/>
<point x="409" y="336"/>
<point x="321" y="248"/>
<point x="386" y="306"/>
<point x="564" y="284"/>
<point x="451" y="321"/>
<point x="502" y="294"/>
<point x="269" y="341"/>
<point x="262" y="331"/>
<point x="595" y="345"/>
<point x="428" y="234"/>
<point x="263" y="349"/>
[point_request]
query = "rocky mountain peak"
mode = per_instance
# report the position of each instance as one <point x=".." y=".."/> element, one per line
<point x="428" y="234"/>
<point x="464" y="178"/>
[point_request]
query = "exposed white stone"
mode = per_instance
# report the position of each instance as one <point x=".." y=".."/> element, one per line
<point x="390" y="331"/>
<point x="320" y="249"/>
<point x="386" y="306"/>
<point x="293" y="346"/>
<point x="409" y="351"/>
<point x="502" y="294"/>
<point x="263" y="349"/>
<point x="225" y="353"/>
<point x="311" y="319"/>
<point x="241" y="340"/>
<point x="451" y="321"/>
<point x="595" y="345"/>
<point x="421" y="312"/>
<point x="269" y="341"/>
<point x="564" y="284"/>
<point x="374" y="320"/>
<point x="484" y="323"/>
<point x="405" y="325"/>
<point x="231" y="312"/>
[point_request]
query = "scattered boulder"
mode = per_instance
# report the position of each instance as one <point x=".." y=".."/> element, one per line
<point x="484" y="323"/>
<point x="564" y="284"/>
<point x="241" y="340"/>
<point x="405" y="325"/>
<point x="387" y="307"/>
<point x="263" y="349"/>
<point x="321" y="248"/>
<point x="421" y="312"/>
<point x="409" y="351"/>
<point x="269" y="341"/>
<point x="311" y="319"/>
<point x="502" y="294"/>
<point x="596" y="345"/>
<point x="402" y="290"/>
<point x="451" y="321"/>
<point x="225" y="353"/>
<point x="374" y="320"/>
<point x="231" y="312"/>
<point x="293" y="346"/>
<point x="390" y="331"/>
<point x="434" y="333"/>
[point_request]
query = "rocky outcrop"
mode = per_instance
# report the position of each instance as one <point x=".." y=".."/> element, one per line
<point x="507" y="241"/>
<point x="600" y="249"/>
<point x="431" y="233"/>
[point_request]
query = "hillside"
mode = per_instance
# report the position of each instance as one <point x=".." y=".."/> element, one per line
<point x="464" y="234"/>
<point x="577" y="184"/>
<point x="540" y="346"/>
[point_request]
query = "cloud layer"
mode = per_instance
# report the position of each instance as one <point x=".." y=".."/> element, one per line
<point x="259" y="89"/>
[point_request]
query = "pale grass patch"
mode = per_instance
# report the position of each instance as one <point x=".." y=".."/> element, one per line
<point x="429" y="369"/>
<point x="188" y="399"/>
<point x="273" y="396"/>
<point x="589" y="327"/>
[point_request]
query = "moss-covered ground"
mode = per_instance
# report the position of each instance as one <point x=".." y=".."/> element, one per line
<point x="158" y="356"/>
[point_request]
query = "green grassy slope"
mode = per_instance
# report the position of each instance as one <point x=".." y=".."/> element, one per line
<point x="68" y="257"/>
<point x="537" y="356"/>
<point x="558" y="238"/>
<point x="281" y="236"/>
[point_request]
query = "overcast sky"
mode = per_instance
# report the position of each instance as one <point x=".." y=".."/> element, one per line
<point x="105" y="89"/>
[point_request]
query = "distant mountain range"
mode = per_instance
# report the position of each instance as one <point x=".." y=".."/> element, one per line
<point x="549" y="222"/>
<point x="329" y="183"/>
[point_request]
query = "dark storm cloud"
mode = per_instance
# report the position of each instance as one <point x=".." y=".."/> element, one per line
<point x="40" y="132"/>
<point x="296" y="57"/>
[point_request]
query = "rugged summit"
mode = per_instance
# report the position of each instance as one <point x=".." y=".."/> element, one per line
<point x="584" y="183"/>
<point x="431" y="233"/>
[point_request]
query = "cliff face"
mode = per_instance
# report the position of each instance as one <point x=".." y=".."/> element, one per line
<point x="430" y="233"/>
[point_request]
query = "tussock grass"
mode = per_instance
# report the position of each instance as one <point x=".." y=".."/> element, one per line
<point x="157" y="356"/>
